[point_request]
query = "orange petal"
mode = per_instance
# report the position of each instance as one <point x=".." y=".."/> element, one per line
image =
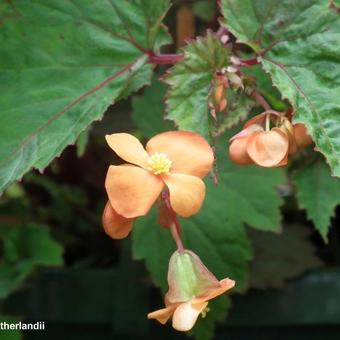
<point x="132" y="190"/>
<point x="115" y="225"/>
<point x="186" y="314"/>
<point x="128" y="148"/>
<point x="224" y="285"/>
<point x="301" y="135"/>
<point x="238" y="151"/>
<point x="186" y="193"/>
<point x="258" y="119"/>
<point x="189" y="152"/>
<point x="162" y="315"/>
<point x="247" y="131"/>
<point x="268" y="148"/>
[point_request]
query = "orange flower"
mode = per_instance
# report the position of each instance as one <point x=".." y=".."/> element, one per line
<point x="191" y="286"/>
<point x="175" y="159"/>
<point x="264" y="147"/>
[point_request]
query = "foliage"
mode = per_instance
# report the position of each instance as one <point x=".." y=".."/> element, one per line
<point x="299" y="47"/>
<point x="24" y="248"/>
<point x="291" y="252"/>
<point x="64" y="63"/>
<point x="73" y="59"/>
<point x="318" y="193"/>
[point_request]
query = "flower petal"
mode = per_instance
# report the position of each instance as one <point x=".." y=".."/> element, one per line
<point x="238" y="151"/>
<point x="162" y="315"/>
<point x="268" y="148"/>
<point x="132" y="190"/>
<point x="189" y="152"/>
<point x="186" y="315"/>
<point x="186" y="193"/>
<point x="128" y="148"/>
<point x="115" y="225"/>
<point x="224" y="285"/>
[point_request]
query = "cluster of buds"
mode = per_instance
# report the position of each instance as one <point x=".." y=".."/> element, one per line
<point x="267" y="140"/>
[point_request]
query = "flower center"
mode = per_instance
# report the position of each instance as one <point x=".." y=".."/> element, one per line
<point x="159" y="163"/>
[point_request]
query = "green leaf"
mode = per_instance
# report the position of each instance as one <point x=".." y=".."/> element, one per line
<point x="251" y="195"/>
<point x="300" y="46"/>
<point x="205" y="10"/>
<point x="24" y="248"/>
<point x="239" y="106"/>
<point x="148" y="110"/>
<point x="190" y="82"/>
<point x="318" y="193"/>
<point x="281" y="257"/>
<point x="62" y="64"/>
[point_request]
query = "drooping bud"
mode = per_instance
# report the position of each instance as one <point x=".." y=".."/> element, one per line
<point x="218" y="94"/>
<point x="188" y="277"/>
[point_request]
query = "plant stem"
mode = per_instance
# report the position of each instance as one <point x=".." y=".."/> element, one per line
<point x="250" y="62"/>
<point x="175" y="227"/>
<point x="260" y="99"/>
<point x="163" y="59"/>
<point x="267" y="122"/>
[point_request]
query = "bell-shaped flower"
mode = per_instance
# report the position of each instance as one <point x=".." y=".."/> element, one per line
<point x="191" y="286"/>
<point x="177" y="160"/>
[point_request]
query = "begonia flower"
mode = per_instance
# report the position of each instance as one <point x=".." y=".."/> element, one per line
<point x="191" y="286"/>
<point x="177" y="160"/>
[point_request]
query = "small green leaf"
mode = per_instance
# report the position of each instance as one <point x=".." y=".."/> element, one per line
<point x="299" y="43"/>
<point x="62" y="64"/>
<point x="190" y="82"/>
<point x="318" y="193"/>
<point x="148" y="110"/>
<point x="281" y="257"/>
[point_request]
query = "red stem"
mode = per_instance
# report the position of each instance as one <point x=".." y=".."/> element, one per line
<point x="250" y="62"/>
<point x="260" y="99"/>
<point x="174" y="223"/>
<point x="163" y="59"/>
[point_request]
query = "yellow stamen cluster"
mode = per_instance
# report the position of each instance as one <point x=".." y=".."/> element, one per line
<point x="159" y="163"/>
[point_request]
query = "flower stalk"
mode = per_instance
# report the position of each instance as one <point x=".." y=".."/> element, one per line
<point x="174" y="224"/>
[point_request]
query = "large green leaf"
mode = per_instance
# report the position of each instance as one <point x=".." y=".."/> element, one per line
<point x="299" y="42"/>
<point x="318" y="193"/>
<point x="62" y="63"/>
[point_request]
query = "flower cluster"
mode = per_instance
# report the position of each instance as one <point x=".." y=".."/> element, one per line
<point x="170" y="170"/>
<point x="259" y="143"/>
